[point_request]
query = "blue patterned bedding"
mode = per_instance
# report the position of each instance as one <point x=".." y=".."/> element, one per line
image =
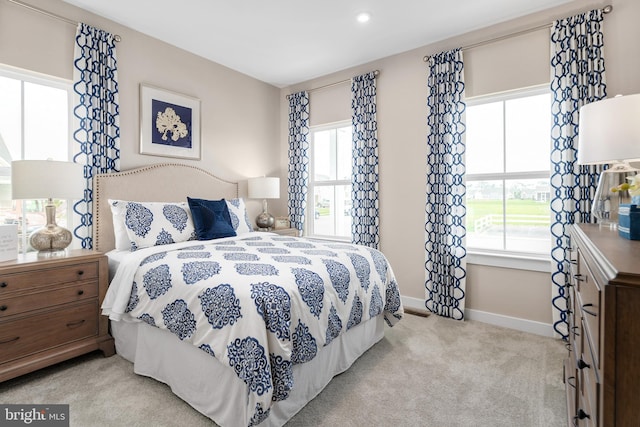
<point x="259" y="303"/>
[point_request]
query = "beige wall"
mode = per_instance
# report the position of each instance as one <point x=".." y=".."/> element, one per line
<point x="244" y="134"/>
<point x="240" y="120"/>
<point x="511" y="63"/>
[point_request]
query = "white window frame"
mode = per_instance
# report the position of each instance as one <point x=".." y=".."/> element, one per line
<point x="55" y="82"/>
<point x="503" y="258"/>
<point x="310" y="211"/>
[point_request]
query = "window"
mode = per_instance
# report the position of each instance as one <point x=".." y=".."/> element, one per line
<point x="507" y="173"/>
<point x="34" y="125"/>
<point x="329" y="202"/>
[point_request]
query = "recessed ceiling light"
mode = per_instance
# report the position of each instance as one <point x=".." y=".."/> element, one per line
<point x="363" y="17"/>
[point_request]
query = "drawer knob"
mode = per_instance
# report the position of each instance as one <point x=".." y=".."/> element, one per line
<point x="80" y="272"/>
<point x="3" y="308"/>
<point x="75" y="324"/>
<point x="3" y="285"/>
<point x="590" y="312"/>
<point x="80" y="292"/>
<point x="581" y="415"/>
<point x="582" y="364"/>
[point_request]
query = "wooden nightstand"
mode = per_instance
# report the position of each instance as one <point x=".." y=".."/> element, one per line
<point x="50" y="310"/>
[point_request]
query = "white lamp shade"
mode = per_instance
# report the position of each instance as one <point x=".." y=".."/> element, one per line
<point x="44" y="179"/>
<point x="609" y="130"/>
<point x="264" y="188"/>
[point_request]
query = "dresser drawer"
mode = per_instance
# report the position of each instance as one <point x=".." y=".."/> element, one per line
<point x="48" y="298"/>
<point x="588" y="302"/>
<point x="38" y="278"/>
<point x="28" y="335"/>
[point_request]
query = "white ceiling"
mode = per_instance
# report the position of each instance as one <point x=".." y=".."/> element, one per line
<point x="284" y="42"/>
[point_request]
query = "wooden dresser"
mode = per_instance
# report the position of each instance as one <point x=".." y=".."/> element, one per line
<point x="602" y="370"/>
<point x="50" y="310"/>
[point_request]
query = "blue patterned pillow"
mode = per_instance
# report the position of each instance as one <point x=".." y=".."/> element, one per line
<point x="239" y="217"/>
<point x="211" y="218"/>
<point x="154" y="223"/>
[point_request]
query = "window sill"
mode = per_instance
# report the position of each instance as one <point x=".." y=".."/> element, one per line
<point x="529" y="262"/>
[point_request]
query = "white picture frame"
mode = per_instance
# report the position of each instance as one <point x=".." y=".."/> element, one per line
<point x="169" y="124"/>
<point x="282" y="222"/>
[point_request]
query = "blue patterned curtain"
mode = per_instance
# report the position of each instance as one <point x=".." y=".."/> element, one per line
<point x="298" y="157"/>
<point x="445" y="210"/>
<point x="578" y="78"/>
<point x="364" y="182"/>
<point x="96" y="115"/>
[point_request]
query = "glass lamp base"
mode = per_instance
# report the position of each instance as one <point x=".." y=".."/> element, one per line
<point x="606" y="202"/>
<point x="265" y="221"/>
<point x="51" y="238"/>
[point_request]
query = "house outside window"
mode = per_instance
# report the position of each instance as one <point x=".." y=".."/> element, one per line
<point x="34" y="125"/>
<point x="329" y="197"/>
<point x="507" y="173"/>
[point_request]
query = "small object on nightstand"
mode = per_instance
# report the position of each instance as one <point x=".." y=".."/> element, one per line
<point x="282" y="222"/>
<point x="8" y="242"/>
<point x="629" y="222"/>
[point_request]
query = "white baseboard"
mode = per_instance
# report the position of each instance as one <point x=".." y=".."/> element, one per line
<point x="516" y="323"/>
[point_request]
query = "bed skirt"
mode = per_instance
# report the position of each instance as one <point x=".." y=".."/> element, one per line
<point x="214" y="389"/>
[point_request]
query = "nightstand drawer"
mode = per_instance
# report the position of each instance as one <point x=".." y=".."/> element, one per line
<point x="26" y="281"/>
<point x="29" y="335"/>
<point x="47" y="298"/>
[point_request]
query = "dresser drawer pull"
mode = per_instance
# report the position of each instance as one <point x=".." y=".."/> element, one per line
<point x="75" y="324"/>
<point x="581" y="415"/>
<point x="575" y="334"/>
<point x="569" y="381"/>
<point x="3" y="308"/>
<point x="578" y="277"/>
<point x="3" y="285"/>
<point x="80" y="272"/>
<point x="588" y="311"/>
<point x="80" y="292"/>
<point x="582" y="364"/>
<point x="11" y="340"/>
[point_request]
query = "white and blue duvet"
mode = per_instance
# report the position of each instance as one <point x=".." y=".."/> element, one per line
<point x="259" y="302"/>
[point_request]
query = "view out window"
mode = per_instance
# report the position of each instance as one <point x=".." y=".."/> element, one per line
<point x="34" y="125"/>
<point x="329" y="200"/>
<point x="507" y="173"/>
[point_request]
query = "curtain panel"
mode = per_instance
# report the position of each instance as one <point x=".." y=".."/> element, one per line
<point x="577" y="78"/>
<point x="445" y="231"/>
<point x="298" y="158"/>
<point x="96" y="117"/>
<point x="365" y="219"/>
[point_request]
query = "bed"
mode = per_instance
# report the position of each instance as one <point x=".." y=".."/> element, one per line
<point x="246" y="328"/>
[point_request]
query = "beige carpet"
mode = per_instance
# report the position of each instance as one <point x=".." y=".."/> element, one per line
<point x="425" y="372"/>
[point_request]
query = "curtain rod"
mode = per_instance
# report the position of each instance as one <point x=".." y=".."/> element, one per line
<point x="116" y="37"/>
<point x="376" y="73"/>
<point x="605" y="10"/>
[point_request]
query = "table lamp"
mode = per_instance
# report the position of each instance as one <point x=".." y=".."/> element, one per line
<point x="47" y="179"/>
<point x="264" y="188"/>
<point x="609" y="133"/>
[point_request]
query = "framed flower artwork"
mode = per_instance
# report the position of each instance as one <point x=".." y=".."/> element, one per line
<point x="169" y="124"/>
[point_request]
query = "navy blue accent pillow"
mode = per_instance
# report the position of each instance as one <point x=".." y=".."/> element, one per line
<point x="211" y="218"/>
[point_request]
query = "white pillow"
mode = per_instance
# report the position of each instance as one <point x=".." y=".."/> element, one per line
<point x="119" y="230"/>
<point x="239" y="217"/>
<point x="151" y="223"/>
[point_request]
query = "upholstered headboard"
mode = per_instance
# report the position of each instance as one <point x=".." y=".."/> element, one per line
<point x="167" y="182"/>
